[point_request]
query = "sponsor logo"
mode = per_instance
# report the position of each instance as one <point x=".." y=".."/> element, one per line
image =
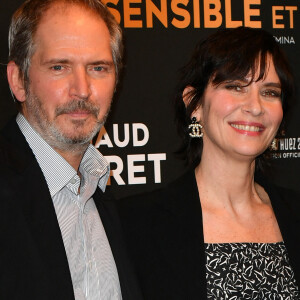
<point x="283" y="148"/>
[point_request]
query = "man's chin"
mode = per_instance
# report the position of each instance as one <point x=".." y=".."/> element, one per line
<point x="76" y="137"/>
<point x="73" y="139"/>
<point x="70" y="134"/>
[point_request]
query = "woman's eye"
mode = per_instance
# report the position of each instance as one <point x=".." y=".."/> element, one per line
<point x="272" y="93"/>
<point x="234" y="87"/>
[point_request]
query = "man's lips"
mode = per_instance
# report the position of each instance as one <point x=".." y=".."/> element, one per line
<point x="78" y="113"/>
<point x="247" y="128"/>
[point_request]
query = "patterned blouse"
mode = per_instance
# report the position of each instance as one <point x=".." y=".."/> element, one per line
<point x="249" y="271"/>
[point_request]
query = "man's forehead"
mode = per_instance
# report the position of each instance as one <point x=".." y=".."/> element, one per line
<point x="63" y="8"/>
<point x="72" y="33"/>
<point x="60" y="15"/>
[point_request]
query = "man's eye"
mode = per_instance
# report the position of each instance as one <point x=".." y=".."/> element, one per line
<point x="98" y="68"/>
<point x="57" y="68"/>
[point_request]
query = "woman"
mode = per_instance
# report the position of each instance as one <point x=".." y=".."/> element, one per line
<point x="218" y="232"/>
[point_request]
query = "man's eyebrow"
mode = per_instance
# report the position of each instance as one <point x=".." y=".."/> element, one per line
<point x="109" y="63"/>
<point x="56" y="61"/>
<point x="66" y="61"/>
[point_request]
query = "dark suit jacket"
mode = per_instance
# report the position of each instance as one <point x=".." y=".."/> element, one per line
<point x="165" y="237"/>
<point x="33" y="262"/>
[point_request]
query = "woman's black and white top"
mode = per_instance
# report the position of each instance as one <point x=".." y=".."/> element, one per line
<point x="249" y="271"/>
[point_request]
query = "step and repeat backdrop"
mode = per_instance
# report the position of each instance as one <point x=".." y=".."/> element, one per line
<point x="140" y="139"/>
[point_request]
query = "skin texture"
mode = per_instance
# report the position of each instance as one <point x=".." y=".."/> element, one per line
<point x="235" y="208"/>
<point x="72" y="80"/>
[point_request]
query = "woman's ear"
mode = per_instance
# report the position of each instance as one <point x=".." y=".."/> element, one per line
<point x="15" y="81"/>
<point x="186" y="95"/>
<point x="198" y="113"/>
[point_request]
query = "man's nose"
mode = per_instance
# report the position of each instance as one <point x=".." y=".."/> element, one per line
<point x="80" y="86"/>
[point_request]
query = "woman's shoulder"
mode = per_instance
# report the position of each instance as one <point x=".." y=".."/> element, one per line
<point x="283" y="200"/>
<point x="178" y="189"/>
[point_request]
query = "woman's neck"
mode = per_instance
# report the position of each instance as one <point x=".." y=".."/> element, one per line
<point x="234" y="208"/>
<point x="226" y="180"/>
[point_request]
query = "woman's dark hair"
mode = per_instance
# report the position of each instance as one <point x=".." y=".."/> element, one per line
<point x="227" y="55"/>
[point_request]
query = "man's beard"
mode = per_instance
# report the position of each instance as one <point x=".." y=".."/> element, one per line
<point x="55" y="136"/>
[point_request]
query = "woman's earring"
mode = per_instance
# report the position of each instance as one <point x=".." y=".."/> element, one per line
<point x="195" y="129"/>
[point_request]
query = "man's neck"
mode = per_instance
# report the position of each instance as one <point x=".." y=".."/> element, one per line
<point x="73" y="155"/>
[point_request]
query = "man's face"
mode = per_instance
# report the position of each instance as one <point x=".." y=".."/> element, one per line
<point x="72" y="77"/>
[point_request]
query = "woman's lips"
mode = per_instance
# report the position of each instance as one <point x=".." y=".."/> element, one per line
<point x="247" y="128"/>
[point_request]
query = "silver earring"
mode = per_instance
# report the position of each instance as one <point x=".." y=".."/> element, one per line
<point x="195" y="129"/>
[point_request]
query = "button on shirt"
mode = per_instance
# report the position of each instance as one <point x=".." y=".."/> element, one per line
<point x="92" y="266"/>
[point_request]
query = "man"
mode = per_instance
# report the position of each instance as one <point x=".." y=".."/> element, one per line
<point x="59" y="232"/>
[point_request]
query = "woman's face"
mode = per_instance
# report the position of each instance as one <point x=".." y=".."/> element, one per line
<point x="240" y="120"/>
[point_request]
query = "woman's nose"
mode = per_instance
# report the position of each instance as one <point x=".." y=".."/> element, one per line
<point x="253" y="104"/>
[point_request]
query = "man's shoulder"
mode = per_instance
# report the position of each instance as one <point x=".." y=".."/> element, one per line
<point x="7" y="151"/>
<point x="10" y="134"/>
<point x="13" y="147"/>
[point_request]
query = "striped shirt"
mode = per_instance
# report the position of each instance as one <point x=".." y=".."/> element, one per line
<point x="92" y="266"/>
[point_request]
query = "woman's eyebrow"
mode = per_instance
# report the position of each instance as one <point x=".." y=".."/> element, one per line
<point x="273" y="84"/>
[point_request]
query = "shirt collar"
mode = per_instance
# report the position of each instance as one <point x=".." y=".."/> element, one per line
<point x="57" y="171"/>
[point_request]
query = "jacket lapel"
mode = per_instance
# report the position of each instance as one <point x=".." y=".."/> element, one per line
<point x="35" y="205"/>
<point x="286" y="206"/>
<point x="287" y="215"/>
<point x="110" y="220"/>
<point x="182" y="201"/>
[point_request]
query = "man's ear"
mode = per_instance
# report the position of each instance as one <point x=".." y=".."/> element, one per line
<point x="186" y="95"/>
<point x="15" y="81"/>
